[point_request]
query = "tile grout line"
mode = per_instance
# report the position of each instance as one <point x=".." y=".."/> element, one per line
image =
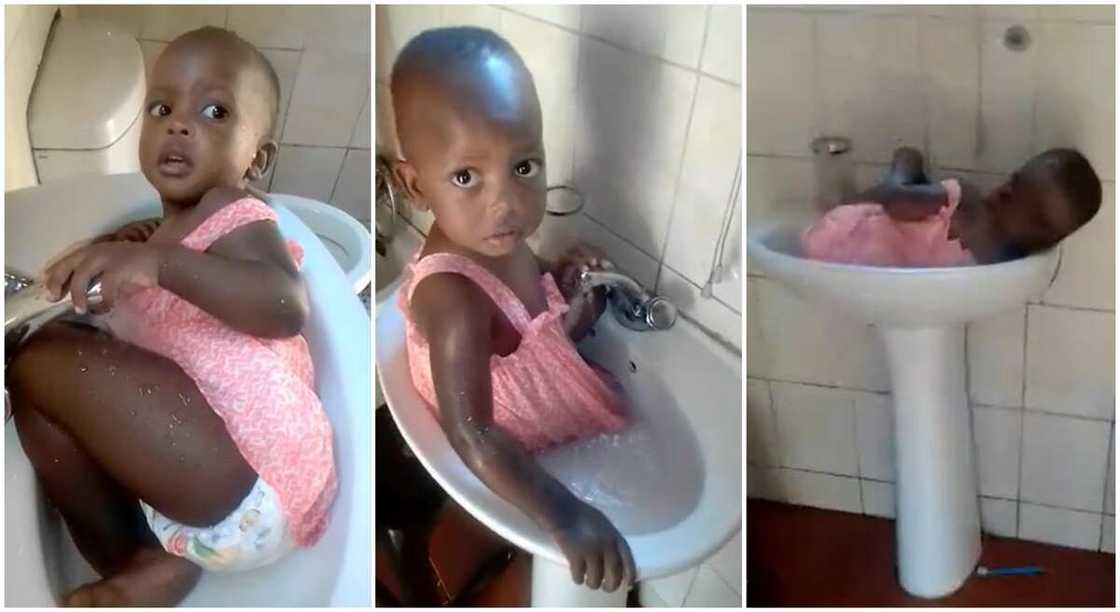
<point x="1104" y="494"/>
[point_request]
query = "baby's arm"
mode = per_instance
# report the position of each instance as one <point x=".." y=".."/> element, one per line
<point x="136" y="231"/>
<point x="905" y="193"/>
<point x="246" y="278"/>
<point x="455" y="317"/>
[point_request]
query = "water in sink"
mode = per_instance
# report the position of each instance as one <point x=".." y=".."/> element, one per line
<point x="645" y="478"/>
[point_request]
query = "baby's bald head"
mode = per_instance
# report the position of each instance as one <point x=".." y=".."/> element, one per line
<point x="463" y="71"/>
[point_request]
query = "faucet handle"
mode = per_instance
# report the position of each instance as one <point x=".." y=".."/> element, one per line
<point x="660" y="313"/>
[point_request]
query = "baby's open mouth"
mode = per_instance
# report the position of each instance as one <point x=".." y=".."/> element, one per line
<point x="174" y="164"/>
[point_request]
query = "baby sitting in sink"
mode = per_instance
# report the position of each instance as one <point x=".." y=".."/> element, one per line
<point x="907" y="221"/>
<point x="490" y="331"/>
<point x="181" y="430"/>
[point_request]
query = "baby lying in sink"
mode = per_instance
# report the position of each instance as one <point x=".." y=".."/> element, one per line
<point x="907" y="221"/>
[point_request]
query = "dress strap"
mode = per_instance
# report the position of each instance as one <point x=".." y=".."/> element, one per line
<point x="225" y="220"/>
<point x="502" y="296"/>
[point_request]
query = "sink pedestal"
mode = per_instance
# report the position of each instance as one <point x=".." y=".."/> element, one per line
<point x="553" y="588"/>
<point x="938" y="511"/>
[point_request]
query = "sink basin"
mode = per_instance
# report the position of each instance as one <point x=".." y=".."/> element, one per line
<point x="346" y="239"/>
<point x="920" y="314"/>
<point x="902" y="297"/>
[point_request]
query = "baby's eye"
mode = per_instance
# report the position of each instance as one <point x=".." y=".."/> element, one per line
<point x="215" y="111"/>
<point x="159" y="109"/>
<point x="465" y="178"/>
<point x="527" y="168"/>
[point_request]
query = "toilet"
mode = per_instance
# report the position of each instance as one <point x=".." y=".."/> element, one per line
<point x="84" y="112"/>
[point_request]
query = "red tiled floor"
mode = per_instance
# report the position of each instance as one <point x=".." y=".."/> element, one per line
<point x="799" y="556"/>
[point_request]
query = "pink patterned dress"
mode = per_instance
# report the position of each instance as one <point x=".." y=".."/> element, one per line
<point x="263" y="388"/>
<point x="865" y="234"/>
<point x="545" y="394"/>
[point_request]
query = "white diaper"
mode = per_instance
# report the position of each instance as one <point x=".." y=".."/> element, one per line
<point x="253" y="535"/>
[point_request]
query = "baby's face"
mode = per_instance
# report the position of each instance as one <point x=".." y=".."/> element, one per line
<point x="1030" y="209"/>
<point x="479" y="164"/>
<point x="204" y="118"/>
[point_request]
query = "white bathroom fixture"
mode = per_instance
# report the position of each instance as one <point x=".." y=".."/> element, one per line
<point x="671" y="482"/>
<point x="920" y="314"/>
<point x="84" y="116"/>
<point x="40" y="561"/>
<point x="345" y="237"/>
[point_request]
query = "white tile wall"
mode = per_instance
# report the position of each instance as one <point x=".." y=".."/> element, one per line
<point x="321" y="55"/>
<point x="642" y="111"/>
<point x="1041" y="377"/>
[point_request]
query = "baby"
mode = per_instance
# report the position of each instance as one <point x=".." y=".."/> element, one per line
<point x="490" y="333"/>
<point x="176" y="426"/>
<point x="907" y="221"/>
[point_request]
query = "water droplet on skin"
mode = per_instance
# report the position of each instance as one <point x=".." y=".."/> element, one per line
<point x="79" y="352"/>
<point x="83" y="369"/>
<point x="181" y="459"/>
<point x="104" y="351"/>
<point x="56" y="459"/>
<point x="282" y="301"/>
<point x="186" y="400"/>
<point x="112" y="370"/>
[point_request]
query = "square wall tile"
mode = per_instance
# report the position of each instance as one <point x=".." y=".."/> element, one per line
<point x="396" y="25"/>
<point x="1071" y="361"/>
<point x="1100" y="13"/>
<point x="1076" y="103"/>
<point x="728" y="562"/>
<point x="124" y="19"/>
<point x="763" y="446"/>
<point x="672" y="589"/>
<point x="1064" y="461"/>
<point x="723" y="46"/>
<point x="710" y="313"/>
<point x="999" y="516"/>
<point x="1007" y="94"/>
<point x="816" y="427"/>
<point x="950" y="48"/>
<point x="789" y="338"/>
<point x="1088" y="274"/>
<point x="1108" y="534"/>
<point x="1009" y="12"/>
<point x="674" y="33"/>
<point x="1110" y="479"/>
<point x="781" y="90"/>
<point x="709" y="590"/>
<point x="822" y="490"/>
<point x="360" y="138"/>
<point x="630" y="140"/>
<point x="168" y="22"/>
<point x="868" y="71"/>
<point x="996" y="433"/>
<point x="151" y="51"/>
<point x="310" y="172"/>
<point x="271" y="26"/>
<point x="338" y="28"/>
<point x="286" y="65"/>
<point x="875" y="435"/>
<point x="385" y="126"/>
<point x="708" y="179"/>
<point x="480" y="16"/>
<point x="327" y="97"/>
<point x="566" y="15"/>
<point x="878" y="498"/>
<point x="995" y="358"/>
<point x="1059" y="526"/>
<point x="351" y="193"/>
<point x="765" y="482"/>
<point x="779" y="190"/>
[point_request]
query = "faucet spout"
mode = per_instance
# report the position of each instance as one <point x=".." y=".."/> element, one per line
<point x="632" y="305"/>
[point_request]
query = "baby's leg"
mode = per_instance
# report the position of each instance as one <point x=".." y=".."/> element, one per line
<point x="104" y="423"/>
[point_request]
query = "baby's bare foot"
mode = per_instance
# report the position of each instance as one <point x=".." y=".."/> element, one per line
<point x="153" y="578"/>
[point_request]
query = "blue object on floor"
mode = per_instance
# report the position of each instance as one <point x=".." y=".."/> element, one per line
<point x="1025" y="570"/>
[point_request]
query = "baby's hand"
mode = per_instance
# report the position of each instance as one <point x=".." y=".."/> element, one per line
<point x="123" y="267"/>
<point x="573" y="262"/>
<point x="598" y="555"/>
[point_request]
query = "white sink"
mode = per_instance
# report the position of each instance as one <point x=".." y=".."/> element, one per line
<point x="41" y="562"/>
<point x="920" y="313"/>
<point x="344" y="237"/>
<point x="671" y="482"/>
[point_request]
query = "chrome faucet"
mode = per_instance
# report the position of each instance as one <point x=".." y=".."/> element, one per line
<point x="26" y="308"/>
<point x="633" y="306"/>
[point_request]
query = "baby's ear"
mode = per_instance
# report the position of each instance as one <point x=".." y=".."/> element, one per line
<point x="262" y="161"/>
<point x="405" y="174"/>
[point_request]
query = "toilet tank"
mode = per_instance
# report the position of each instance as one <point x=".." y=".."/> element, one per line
<point x="85" y="109"/>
